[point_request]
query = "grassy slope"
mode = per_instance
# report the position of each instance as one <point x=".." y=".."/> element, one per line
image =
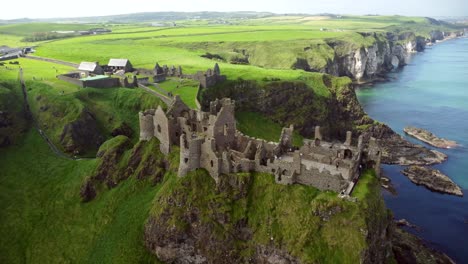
<point x="248" y="123"/>
<point x="65" y="102"/>
<point x="187" y="89"/>
<point x="43" y="220"/>
<point x="289" y="217"/>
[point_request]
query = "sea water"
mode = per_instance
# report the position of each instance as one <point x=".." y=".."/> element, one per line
<point x="431" y="93"/>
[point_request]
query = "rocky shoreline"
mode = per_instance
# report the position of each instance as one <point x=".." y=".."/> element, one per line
<point x="432" y="179"/>
<point x="398" y="151"/>
<point x="408" y="248"/>
<point x="429" y="138"/>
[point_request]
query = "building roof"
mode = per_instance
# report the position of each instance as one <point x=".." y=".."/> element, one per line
<point x="97" y="77"/>
<point x="87" y="66"/>
<point x="118" y="62"/>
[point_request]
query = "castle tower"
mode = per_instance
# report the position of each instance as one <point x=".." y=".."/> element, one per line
<point x="190" y="155"/>
<point x="216" y="69"/>
<point x="286" y="138"/>
<point x="179" y="71"/>
<point x="360" y="144"/>
<point x="162" y="130"/>
<point x="223" y="128"/>
<point x="318" y="134"/>
<point x="146" y="124"/>
<point x="374" y="155"/>
<point x="158" y="70"/>
<point x="349" y="136"/>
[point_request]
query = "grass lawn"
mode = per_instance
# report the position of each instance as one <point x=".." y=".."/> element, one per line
<point x="249" y="124"/>
<point x="187" y="89"/>
<point x="43" y="221"/>
<point x="366" y="181"/>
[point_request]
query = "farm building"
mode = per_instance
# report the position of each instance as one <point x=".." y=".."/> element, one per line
<point x="120" y="64"/>
<point x="90" y="67"/>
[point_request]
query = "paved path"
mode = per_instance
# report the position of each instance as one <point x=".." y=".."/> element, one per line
<point x="66" y="63"/>
<point x="167" y="100"/>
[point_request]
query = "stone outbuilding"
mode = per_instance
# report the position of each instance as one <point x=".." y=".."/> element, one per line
<point x="120" y="64"/>
<point x="90" y="68"/>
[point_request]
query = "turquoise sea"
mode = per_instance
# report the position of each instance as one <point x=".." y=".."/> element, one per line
<point x="432" y="93"/>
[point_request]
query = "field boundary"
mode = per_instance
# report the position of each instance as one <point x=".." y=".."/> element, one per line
<point x="66" y="63"/>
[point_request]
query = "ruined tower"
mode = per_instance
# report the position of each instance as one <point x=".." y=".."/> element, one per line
<point x="216" y="69"/>
<point x="146" y="124"/>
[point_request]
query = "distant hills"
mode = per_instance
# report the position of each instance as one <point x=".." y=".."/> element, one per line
<point x="147" y="17"/>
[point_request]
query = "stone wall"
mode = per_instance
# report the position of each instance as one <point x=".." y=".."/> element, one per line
<point x="102" y="83"/>
<point x="67" y="78"/>
<point x="147" y="124"/>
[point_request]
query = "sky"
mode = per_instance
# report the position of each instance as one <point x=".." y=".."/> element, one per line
<point x="80" y="8"/>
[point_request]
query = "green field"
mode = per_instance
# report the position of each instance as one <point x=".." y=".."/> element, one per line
<point x="43" y="220"/>
<point x="42" y="217"/>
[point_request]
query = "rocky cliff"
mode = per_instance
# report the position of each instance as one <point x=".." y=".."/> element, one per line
<point x="387" y="52"/>
<point x="247" y="218"/>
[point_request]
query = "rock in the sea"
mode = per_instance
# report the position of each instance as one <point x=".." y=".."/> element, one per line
<point x="432" y="179"/>
<point x="397" y="150"/>
<point x="429" y="138"/>
<point x="409" y="249"/>
<point x="404" y="222"/>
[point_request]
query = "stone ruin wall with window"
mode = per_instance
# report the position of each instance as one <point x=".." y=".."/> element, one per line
<point x="210" y="140"/>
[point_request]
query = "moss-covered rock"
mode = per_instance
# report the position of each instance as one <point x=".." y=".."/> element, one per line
<point x="13" y="120"/>
<point x="249" y="218"/>
<point x="118" y="160"/>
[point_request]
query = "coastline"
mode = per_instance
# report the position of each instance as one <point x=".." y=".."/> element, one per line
<point x="384" y="76"/>
<point x="414" y="202"/>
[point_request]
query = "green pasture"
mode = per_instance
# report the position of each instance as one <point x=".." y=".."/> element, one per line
<point x="44" y="221"/>
<point x="248" y="123"/>
<point x="185" y="88"/>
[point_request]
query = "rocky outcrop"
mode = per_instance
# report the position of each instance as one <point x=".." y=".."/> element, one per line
<point x="145" y="162"/>
<point x="409" y="249"/>
<point x="122" y="130"/>
<point x="198" y="221"/>
<point x="397" y="150"/>
<point x="371" y="62"/>
<point x="390" y="51"/>
<point x="81" y="135"/>
<point x="184" y="233"/>
<point x="430" y="138"/>
<point x="432" y="179"/>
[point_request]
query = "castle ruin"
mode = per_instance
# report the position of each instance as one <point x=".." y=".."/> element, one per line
<point x="210" y="140"/>
<point x="207" y="79"/>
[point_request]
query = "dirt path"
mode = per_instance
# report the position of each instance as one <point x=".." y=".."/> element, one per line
<point x="167" y="100"/>
<point x="30" y="117"/>
<point x="66" y="63"/>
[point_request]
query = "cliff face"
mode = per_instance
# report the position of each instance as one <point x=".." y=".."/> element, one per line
<point x="247" y="218"/>
<point x="388" y="52"/>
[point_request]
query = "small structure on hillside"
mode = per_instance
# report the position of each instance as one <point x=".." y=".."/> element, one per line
<point x="115" y="65"/>
<point x="90" y="68"/>
<point x="211" y="141"/>
<point x="207" y="79"/>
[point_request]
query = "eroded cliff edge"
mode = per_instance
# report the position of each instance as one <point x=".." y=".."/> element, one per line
<point x="247" y="218"/>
